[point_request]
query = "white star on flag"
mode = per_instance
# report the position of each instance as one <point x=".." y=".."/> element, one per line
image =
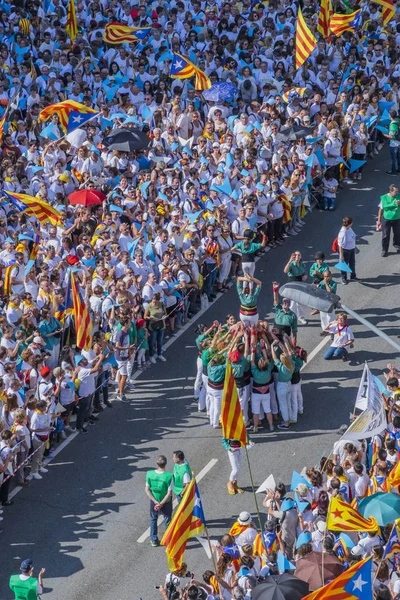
<point x="359" y="583"/>
<point x="77" y="119"/>
<point x="178" y="64"/>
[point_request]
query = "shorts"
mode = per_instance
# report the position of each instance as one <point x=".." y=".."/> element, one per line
<point x="260" y="400"/>
<point x="123" y="367"/>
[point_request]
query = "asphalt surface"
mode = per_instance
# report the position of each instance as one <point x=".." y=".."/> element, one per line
<point x="83" y="520"/>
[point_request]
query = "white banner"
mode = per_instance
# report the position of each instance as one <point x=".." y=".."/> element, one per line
<point x="362" y="394"/>
<point x="372" y="420"/>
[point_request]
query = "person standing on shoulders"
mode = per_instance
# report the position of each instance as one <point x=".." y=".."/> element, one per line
<point x="182" y="474"/>
<point x="25" y="586"/>
<point x="159" y="486"/>
<point x="389" y="218"/>
<point x="347" y="248"/>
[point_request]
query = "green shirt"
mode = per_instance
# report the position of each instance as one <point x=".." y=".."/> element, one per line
<point x="324" y="267"/>
<point x="285" y="318"/>
<point x="179" y="472"/>
<point x="23" y="589"/>
<point x="216" y="373"/>
<point x="251" y="249"/>
<point x="296" y="270"/>
<point x="206" y="357"/>
<point x="284" y="374"/>
<point x="390" y="208"/>
<point x="159" y="483"/>
<point x="141" y="339"/>
<point x="332" y="284"/>
<point x="298" y="363"/>
<point x="261" y="377"/>
<point x="394" y="133"/>
<point x="248" y="299"/>
<point x="240" y="368"/>
<point x="199" y="339"/>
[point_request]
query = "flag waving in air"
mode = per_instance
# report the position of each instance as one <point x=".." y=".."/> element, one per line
<point x="343" y="517"/>
<point x="83" y="323"/>
<point x="187" y="522"/>
<point x="354" y="584"/>
<point x="305" y="41"/>
<point x="324" y="18"/>
<point x="35" y="208"/>
<point x="233" y="427"/>
<point x="116" y="33"/>
<point x="63" y="110"/>
<point x="77" y="119"/>
<point x="182" y="68"/>
<point x="388" y="11"/>
<point x="71" y="26"/>
<point x="341" y="23"/>
<point x="393" y="543"/>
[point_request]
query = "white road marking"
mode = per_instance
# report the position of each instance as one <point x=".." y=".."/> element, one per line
<point x="199" y="477"/>
<point x="314" y="352"/>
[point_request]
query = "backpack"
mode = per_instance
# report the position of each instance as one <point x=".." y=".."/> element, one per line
<point x="172" y="587"/>
<point x="335" y="245"/>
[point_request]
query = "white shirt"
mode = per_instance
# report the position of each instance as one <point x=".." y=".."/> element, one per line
<point x="347" y="238"/>
<point x="87" y="382"/>
<point x="342" y="335"/>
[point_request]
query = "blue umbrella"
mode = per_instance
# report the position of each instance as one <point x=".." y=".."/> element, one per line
<point x="384" y="507"/>
<point x="223" y="90"/>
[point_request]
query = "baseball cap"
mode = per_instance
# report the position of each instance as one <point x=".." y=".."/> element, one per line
<point x="26" y="564"/>
<point x="45" y="371"/>
<point x="38" y="340"/>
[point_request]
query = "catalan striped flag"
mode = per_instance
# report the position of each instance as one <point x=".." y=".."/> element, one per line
<point x="343" y="517"/>
<point x="183" y="68"/>
<point x="35" y="208"/>
<point x="116" y="33"/>
<point x="2" y="123"/>
<point x="341" y="23"/>
<point x="305" y="41"/>
<point x="71" y="26"/>
<point x="393" y="479"/>
<point x="187" y="522"/>
<point x="7" y="280"/>
<point x="345" y="544"/>
<point x="83" y="323"/>
<point x="355" y="583"/>
<point x="297" y="90"/>
<point x="33" y="254"/>
<point x="233" y="426"/>
<point x="324" y="18"/>
<point x="24" y="26"/>
<point x="63" y="109"/>
<point x="388" y="10"/>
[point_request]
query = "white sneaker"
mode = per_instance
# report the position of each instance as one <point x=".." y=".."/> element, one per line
<point x="162" y="358"/>
<point x="35" y="476"/>
<point x="301" y="321"/>
<point x="63" y="435"/>
<point x="103" y="406"/>
<point x="153" y="360"/>
<point x="70" y="429"/>
<point x="292" y="232"/>
<point x="43" y="470"/>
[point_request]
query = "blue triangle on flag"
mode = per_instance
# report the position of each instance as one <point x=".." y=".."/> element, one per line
<point x="77" y="119"/>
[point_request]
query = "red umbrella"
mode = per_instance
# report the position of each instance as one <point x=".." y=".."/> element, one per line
<point x="87" y="197"/>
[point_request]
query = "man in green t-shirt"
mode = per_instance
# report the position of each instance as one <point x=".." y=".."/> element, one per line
<point x="389" y="218"/>
<point x="182" y="474"/>
<point x="394" y="143"/>
<point x="159" y="486"/>
<point x="25" y="586"/>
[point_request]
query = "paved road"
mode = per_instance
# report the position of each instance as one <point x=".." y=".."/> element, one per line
<point x="83" y="520"/>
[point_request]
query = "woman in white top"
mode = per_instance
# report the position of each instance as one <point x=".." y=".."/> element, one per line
<point x="360" y="144"/>
<point x="347" y="248"/>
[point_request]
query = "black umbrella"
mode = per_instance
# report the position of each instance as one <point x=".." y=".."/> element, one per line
<point x="281" y="587"/>
<point x="301" y="131"/>
<point x="125" y="139"/>
<point x="290" y="134"/>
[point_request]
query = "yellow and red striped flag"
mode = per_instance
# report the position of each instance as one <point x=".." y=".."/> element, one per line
<point x="2" y="123"/>
<point x="187" y="522"/>
<point x="83" y="322"/>
<point x="305" y="41"/>
<point x="63" y="109"/>
<point x="116" y="33"/>
<point x="298" y="90"/>
<point x="233" y="426"/>
<point x="393" y="479"/>
<point x="7" y="280"/>
<point x="71" y="26"/>
<point x="341" y="23"/>
<point x="357" y="578"/>
<point x="35" y="208"/>
<point x="388" y="11"/>
<point x="324" y="18"/>
<point x="24" y="26"/>
<point x="343" y="517"/>
<point x="183" y="68"/>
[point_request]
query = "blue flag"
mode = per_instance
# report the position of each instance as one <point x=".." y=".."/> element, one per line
<point x="356" y="164"/>
<point x="342" y="266"/>
<point x="320" y="157"/>
<point x="284" y="564"/>
<point x="49" y="132"/>
<point x="104" y="123"/>
<point x="77" y="119"/>
<point x="132" y="247"/>
<point x="149" y="252"/>
<point x="360" y="585"/>
<point x="296" y="479"/>
<point x="309" y="161"/>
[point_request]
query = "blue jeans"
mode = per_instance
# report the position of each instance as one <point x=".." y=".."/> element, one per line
<point x="210" y="275"/>
<point x="334" y="352"/>
<point x="156" y="337"/>
<point x="329" y="203"/>
<point x="395" y="158"/>
<point x="166" y="512"/>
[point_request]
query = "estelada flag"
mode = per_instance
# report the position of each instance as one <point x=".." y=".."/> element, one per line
<point x="341" y="23"/>
<point x="34" y="207"/>
<point x="187" y="522"/>
<point x="63" y="109"/>
<point x="355" y="583"/>
<point x="305" y="41"/>
<point x="183" y="68"/>
<point x="388" y="11"/>
<point x="116" y="33"/>
<point x="343" y="517"/>
<point x="233" y="426"/>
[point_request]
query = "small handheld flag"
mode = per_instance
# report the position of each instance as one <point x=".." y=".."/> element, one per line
<point x="341" y="23"/>
<point x="305" y="41"/>
<point x="343" y="517"/>
<point x="77" y="119"/>
<point x="71" y="26"/>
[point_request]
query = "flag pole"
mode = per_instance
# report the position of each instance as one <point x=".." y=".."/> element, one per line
<point x="254" y="491"/>
<point x="382" y="559"/>
<point x="212" y="558"/>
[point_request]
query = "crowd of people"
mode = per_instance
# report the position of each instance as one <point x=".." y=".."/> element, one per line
<point x="224" y="176"/>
